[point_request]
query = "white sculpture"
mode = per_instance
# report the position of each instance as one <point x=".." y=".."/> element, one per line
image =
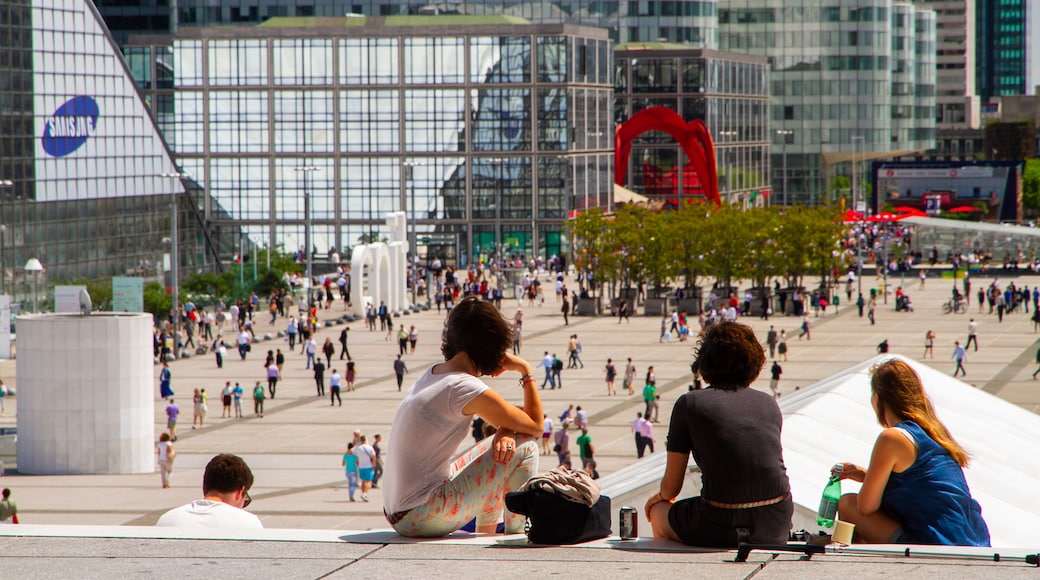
<point x="387" y="269"/>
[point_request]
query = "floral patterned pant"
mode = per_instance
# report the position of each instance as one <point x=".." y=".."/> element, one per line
<point x="475" y="489"/>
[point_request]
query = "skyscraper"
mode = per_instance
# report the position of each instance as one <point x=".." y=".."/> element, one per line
<point x="1005" y="30"/>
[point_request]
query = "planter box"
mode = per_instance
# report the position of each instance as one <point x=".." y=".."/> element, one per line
<point x="656" y="307"/>
<point x="588" y="307"/>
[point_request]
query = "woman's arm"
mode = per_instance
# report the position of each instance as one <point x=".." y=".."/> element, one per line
<point x="495" y="410"/>
<point x="671" y="483"/>
<point x="892" y="451"/>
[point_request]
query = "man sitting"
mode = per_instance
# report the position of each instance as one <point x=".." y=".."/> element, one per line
<point x="225" y="487"/>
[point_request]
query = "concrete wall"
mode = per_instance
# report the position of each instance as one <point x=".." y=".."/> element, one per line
<point x="85" y="400"/>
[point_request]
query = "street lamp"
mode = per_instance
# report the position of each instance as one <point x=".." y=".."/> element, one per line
<point x="34" y="266"/>
<point x="785" y="133"/>
<point x="855" y="208"/>
<point x="174" y="256"/>
<point x="306" y="170"/>
<point x="3" y="184"/>
<point x="413" y="237"/>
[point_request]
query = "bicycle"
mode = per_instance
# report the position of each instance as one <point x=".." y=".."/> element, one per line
<point x="958" y="307"/>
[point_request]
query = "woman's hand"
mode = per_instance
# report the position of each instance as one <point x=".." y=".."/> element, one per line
<point x="504" y="445"/>
<point x="511" y="362"/>
<point x="848" y="471"/>
<point x="654" y="500"/>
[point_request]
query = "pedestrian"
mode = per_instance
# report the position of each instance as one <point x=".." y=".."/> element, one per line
<point x="225" y="399"/>
<point x="399" y="370"/>
<point x="644" y="434"/>
<point x="547" y="431"/>
<point x="929" y="342"/>
<point x="630" y="377"/>
<point x="328" y="349"/>
<point x="258" y="400"/>
<point x="774" y="382"/>
<point x="8" y="509"/>
<point x="172" y="411"/>
<point x="870" y="309"/>
<point x="272" y="378"/>
<point x="562" y="440"/>
<point x="199" y="408"/>
<point x="650" y="400"/>
<point x="781" y="346"/>
<point x="413" y="338"/>
<point x="219" y="351"/>
<point x="366" y="466"/>
<point x="343" y="335"/>
<point x="279" y="361"/>
<point x="334" y="383"/>
<point x="350" y="465"/>
<point x="565" y="309"/>
<point x="291" y="330"/>
<point x="164" y="455"/>
<point x="771" y="337"/>
<point x="350" y="374"/>
<point x="236" y="397"/>
<point x="1037" y="362"/>
<point x="557" y="370"/>
<point x="377" y="469"/>
<point x="959" y="354"/>
<point x="622" y="311"/>
<point x="973" y="338"/>
<point x="311" y="347"/>
<point x="402" y="340"/>
<point x="805" y="328"/>
<point x="165" y="376"/>
<point x="547" y="364"/>
<point x="585" y="448"/>
<point x="859" y="304"/>
<point x="517" y="339"/>
<point x="611" y="375"/>
<point x="319" y="377"/>
<point x="243" y="340"/>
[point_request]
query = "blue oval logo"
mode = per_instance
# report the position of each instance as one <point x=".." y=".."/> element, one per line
<point x="70" y="126"/>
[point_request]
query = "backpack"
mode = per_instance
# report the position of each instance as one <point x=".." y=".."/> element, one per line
<point x="557" y="364"/>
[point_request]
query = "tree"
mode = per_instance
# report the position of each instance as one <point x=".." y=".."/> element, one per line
<point x="157" y="301"/>
<point x="1031" y="186"/>
<point x="209" y="284"/>
<point x="587" y="231"/>
<point x="807" y="239"/>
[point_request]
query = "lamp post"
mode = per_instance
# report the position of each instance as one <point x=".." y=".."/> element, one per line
<point x="413" y="241"/>
<point x="859" y="256"/>
<point x="4" y="183"/>
<point x="174" y="256"/>
<point x="784" y="133"/>
<point x="305" y="171"/>
<point x="34" y="266"/>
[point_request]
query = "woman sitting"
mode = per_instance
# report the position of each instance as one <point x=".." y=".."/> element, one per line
<point x="914" y="490"/>
<point x="733" y="433"/>
<point x="427" y="491"/>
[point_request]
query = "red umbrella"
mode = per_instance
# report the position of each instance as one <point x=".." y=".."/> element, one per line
<point x="853" y="216"/>
<point x="906" y="209"/>
<point x="886" y="217"/>
<point x="964" y="209"/>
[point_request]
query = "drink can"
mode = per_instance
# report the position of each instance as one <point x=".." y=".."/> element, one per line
<point x="629" y="523"/>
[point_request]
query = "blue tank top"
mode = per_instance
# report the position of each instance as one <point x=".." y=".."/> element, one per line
<point x="931" y="499"/>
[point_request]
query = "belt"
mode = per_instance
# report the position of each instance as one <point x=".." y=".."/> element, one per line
<point x="395" y="517"/>
<point x="750" y="504"/>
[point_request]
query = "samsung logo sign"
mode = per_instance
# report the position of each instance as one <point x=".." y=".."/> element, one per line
<point x="70" y="126"/>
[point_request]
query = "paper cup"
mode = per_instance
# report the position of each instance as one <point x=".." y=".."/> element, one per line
<point x="843" y="532"/>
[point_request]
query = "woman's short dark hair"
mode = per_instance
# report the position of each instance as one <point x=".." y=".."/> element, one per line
<point x="226" y="473"/>
<point x="476" y="328"/>
<point x="729" y="356"/>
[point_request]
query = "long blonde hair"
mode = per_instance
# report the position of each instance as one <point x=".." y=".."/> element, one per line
<point x="899" y="390"/>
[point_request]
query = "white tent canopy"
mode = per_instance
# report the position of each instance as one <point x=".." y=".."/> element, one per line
<point x="832" y="421"/>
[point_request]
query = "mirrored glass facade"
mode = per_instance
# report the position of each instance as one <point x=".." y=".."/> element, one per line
<point x="834" y="76"/>
<point x="728" y="91"/>
<point x="487" y="136"/>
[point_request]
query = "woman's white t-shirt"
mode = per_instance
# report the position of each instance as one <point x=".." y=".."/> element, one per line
<point x="426" y="433"/>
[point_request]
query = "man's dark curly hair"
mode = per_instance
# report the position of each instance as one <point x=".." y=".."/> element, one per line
<point x="476" y="328"/>
<point x="729" y="356"/>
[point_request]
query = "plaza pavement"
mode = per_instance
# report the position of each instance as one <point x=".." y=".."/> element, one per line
<point x="295" y="449"/>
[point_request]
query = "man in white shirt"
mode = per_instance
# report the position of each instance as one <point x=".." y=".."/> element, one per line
<point x="366" y="455"/>
<point x="547" y="362"/>
<point x="644" y="435"/>
<point x="225" y="486"/>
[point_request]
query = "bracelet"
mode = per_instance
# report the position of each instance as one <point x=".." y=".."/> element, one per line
<point x="527" y="377"/>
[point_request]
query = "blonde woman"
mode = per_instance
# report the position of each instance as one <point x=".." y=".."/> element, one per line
<point x="164" y="455"/>
<point x="914" y="491"/>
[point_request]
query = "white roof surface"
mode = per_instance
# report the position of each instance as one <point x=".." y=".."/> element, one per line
<point x="832" y="421"/>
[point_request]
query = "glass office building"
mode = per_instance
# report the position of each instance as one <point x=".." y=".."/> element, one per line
<point x="728" y="91"/>
<point x="486" y="131"/>
<point x="833" y="79"/>
<point x="1007" y="37"/>
<point x="81" y="162"/>
<point x="690" y="22"/>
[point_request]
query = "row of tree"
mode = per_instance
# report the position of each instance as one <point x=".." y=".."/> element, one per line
<point x="725" y="243"/>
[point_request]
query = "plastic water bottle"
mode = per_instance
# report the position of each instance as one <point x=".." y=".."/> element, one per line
<point x="828" y="511"/>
